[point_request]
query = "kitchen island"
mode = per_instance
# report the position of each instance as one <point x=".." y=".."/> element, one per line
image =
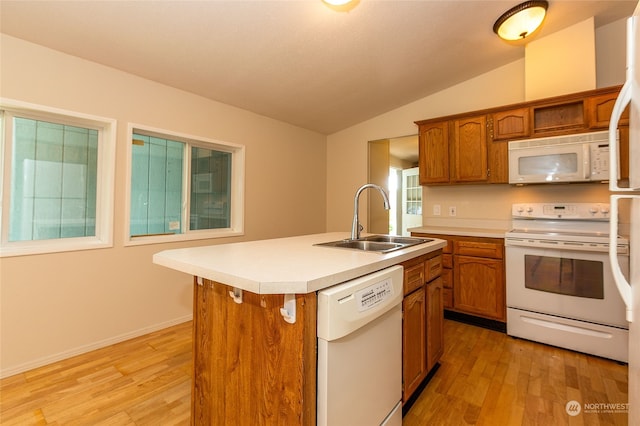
<point x="254" y="322"/>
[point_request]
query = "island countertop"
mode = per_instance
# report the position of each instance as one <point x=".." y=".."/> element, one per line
<point x="285" y="265"/>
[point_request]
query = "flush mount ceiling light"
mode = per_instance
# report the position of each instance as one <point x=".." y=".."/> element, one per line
<point x="341" y="5"/>
<point x="521" y="20"/>
<point x="336" y="2"/>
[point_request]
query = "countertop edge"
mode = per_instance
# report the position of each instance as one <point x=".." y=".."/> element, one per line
<point x="460" y="231"/>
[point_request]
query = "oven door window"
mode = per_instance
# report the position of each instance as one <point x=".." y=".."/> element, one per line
<point x="572" y="277"/>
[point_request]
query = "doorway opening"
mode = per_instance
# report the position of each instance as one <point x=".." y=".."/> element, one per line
<point x="393" y="164"/>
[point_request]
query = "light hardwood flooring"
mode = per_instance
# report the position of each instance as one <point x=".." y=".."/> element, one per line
<point x="485" y="378"/>
<point x="143" y="381"/>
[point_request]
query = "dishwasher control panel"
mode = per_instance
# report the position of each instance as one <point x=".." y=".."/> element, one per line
<point x="371" y="296"/>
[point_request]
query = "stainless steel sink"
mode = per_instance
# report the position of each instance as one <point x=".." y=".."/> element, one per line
<point x="407" y="241"/>
<point x="377" y="243"/>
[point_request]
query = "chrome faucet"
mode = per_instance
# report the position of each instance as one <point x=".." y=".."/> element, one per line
<point x="356" y="227"/>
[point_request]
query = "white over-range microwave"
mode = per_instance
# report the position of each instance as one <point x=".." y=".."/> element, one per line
<point x="580" y="157"/>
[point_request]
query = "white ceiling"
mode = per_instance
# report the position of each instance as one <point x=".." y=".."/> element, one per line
<point x="296" y="61"/>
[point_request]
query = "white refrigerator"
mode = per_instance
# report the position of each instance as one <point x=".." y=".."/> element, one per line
<point x="629" y="197"/>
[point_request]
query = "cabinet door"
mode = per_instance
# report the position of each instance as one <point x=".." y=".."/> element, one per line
<point x="434" y="153"/>
<point x="470" y="150"/>
<point x="599" y="110"/>
<point x="447" y="292"/>
<point x="414" y="349"/>
<point x="510" y="124"/>
<point x="479" y="286"/>
<point x="435" y="322"/>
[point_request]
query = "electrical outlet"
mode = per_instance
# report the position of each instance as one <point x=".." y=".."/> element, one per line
<point x="452" y="210"/>
<point x="436" y="209"/>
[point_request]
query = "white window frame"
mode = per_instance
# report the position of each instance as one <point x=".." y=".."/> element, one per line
<point x="107" y="128"/>
<point x="237" y="188"/>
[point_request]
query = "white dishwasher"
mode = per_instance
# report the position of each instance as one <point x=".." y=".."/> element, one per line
<point x="360" y="351"/>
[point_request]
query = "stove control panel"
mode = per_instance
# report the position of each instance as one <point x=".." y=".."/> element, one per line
<point x="561" y="211"/>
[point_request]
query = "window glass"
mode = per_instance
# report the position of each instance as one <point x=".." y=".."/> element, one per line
<point x="572" y="277"/>
<point x="156" y="186"/>
<point x="210" y="189"/>
<point x="184" y="187"/>
<point x="53" y="181"/>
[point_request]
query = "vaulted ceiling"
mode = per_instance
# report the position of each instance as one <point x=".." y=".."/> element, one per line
<point x="297" y="61"/>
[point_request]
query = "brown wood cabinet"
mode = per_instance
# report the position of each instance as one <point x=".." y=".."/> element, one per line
<point x="510" y="124"/>
<point x="433" y="160"/>
<point x="472" y="147"/>
<point x="479" y="286"/>
<point x="473" y="276"/>
<point x="423" y="320"/>
<point x="435" y="322"/>
<point x="414" y="345"/>
<point x="453" y="151"/>
<point x="469" y="147"/>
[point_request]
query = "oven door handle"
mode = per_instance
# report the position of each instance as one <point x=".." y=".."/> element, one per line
<point x="624" y="288"/>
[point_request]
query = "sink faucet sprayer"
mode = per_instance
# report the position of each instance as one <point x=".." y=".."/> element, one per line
<point x="356" y="227"/>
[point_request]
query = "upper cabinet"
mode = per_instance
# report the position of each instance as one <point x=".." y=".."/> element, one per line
<point x="469" y="149"/>
<point x="600" y="108"/>
<point x="510" y="124"/>
<point x="453" y="151"/>
<point x="433" y="160"/>
<point x="473" y="147"/>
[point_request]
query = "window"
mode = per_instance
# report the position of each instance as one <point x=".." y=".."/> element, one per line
<point x="57" y="179"/>
<point x="183" y="187"/>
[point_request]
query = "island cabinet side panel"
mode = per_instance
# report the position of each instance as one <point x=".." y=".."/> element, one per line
<point x="250" y="366"/>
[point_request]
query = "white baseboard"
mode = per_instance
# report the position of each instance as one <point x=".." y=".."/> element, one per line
<point x="30" y="365"/>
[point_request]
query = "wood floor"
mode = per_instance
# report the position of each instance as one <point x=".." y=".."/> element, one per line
<point x="488" y="378"/>
<point x="485" y="378"/>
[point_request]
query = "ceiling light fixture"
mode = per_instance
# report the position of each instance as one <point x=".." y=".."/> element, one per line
<point x="521" y="20"/>
<point x="336" y="2"/>
<point x="341" y="5"/>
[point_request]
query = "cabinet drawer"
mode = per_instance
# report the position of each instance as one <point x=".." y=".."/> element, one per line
<point x="479" y="249"/>
<point x="447" y="298"/>
<point x="413" y="277"/>
<point x="447" y="261"/>
<point x="433" y="267"/>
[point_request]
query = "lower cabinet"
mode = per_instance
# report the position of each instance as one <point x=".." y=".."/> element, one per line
<point x="414" y="345"/>
<point x="473" y="276"/>
<point x="435" y="322"/>
<point x="479" y="286"/>
<point x="423" y="320"/>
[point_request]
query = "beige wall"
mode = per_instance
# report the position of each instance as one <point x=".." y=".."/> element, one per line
<point x="56" y="305"/>
<point x="347" y="150"/>
<point x="572" y="53"/>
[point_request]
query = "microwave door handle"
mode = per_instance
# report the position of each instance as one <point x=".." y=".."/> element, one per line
<point x="586" y="161"/>
<point x="624" y="288"/>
